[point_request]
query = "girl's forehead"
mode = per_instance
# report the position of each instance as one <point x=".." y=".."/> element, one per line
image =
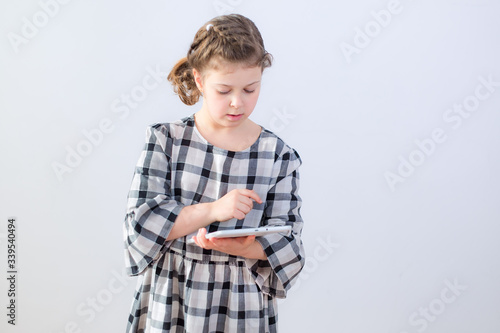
<point x="234" y="74"/>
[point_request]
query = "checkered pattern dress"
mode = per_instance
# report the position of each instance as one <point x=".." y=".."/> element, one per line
<point x="182" y="287"/>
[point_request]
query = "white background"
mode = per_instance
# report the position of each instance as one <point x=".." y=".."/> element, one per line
<point x="420" y="253"/>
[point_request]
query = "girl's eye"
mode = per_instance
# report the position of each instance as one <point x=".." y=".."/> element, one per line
<point x="227" y="92"/>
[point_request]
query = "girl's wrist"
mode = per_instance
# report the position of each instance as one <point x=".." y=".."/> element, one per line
<point x="210" y="212"/>
<point x="255" y="251"/>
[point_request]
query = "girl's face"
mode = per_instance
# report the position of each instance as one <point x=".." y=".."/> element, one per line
<point x="230" y="93"/>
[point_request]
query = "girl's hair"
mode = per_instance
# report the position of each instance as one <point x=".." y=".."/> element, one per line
<point x="228" y="38"/>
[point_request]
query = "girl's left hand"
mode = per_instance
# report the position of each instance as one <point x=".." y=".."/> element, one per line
<point x="238" y="246"/>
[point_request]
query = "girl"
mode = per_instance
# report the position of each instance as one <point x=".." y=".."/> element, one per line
<point x="214" y="170"/>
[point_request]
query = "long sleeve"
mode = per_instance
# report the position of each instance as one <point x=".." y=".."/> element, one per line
<point x="151" y="209"/>
<point x="285" y="254"/>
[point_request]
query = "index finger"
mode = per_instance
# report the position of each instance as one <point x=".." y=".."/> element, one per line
<point x="251" y="194"/>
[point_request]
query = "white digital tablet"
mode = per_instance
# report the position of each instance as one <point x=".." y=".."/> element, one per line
<point x="261" y="231"/>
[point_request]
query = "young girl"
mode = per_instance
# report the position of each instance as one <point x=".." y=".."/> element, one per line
<point x="214" y="170"/>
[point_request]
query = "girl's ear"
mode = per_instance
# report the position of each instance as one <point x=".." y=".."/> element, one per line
<point x="198" y="79"/>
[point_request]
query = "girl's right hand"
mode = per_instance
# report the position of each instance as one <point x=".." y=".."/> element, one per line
<point x="235" y="204"/>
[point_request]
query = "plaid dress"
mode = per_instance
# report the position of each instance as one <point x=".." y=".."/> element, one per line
<point x="182" y="287"/>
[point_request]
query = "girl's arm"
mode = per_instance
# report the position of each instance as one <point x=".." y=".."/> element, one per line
<point x="246" y="247"/>
<point x="190" y="219"/>
<point x="235" y="204"/>
<point x="285" y="254"/>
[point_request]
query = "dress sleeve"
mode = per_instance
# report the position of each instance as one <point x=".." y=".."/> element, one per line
<point x="285" y="254"/>
<point x="151" y="210"/>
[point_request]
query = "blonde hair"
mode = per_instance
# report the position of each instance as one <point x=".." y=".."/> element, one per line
<point x="231" y="38"/>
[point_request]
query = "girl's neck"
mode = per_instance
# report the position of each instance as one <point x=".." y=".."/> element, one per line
<point x="233" y="138"/>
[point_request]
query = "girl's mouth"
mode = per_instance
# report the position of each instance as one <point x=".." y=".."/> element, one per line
<point x="234" y="117"/>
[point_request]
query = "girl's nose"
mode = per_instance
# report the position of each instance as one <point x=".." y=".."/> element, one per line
<point x="236" y="102"/>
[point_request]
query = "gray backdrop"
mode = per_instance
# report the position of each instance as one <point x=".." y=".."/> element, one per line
<point x="394" y="107"/>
